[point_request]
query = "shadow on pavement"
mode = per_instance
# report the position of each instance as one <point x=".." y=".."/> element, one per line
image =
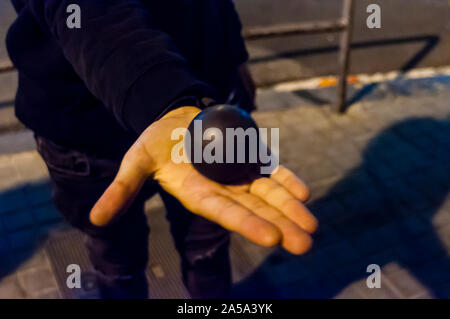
<point x="430" y="42"/>
<point x="388" y="210"/>
<point x="26" y="218"/>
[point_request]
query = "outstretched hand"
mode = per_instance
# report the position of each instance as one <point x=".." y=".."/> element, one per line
<point x="268" y="211"/>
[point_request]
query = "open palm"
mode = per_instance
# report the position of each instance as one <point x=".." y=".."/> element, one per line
<point x="267" y="211"/>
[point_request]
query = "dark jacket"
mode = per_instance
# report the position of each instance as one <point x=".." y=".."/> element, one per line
<point x="96" y="88"/>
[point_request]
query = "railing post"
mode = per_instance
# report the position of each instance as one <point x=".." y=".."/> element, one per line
<point x="344" y="55"/>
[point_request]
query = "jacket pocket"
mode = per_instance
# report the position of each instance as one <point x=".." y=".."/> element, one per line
<point x="62" y="160"/>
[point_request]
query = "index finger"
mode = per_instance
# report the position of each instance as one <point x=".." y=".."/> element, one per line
<point x="291" y="182"/>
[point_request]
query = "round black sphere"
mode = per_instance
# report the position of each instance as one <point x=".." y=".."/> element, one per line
<point x="223" y="169"/>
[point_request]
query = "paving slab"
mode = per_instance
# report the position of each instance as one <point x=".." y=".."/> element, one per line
<point x="380" y="181"/>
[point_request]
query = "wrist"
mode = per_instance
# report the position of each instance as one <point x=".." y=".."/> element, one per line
<point x="185" y="112"/>
<point x="188" y="100"/>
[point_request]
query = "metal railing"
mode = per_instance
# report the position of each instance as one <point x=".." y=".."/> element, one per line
<point x="343" y="25"/>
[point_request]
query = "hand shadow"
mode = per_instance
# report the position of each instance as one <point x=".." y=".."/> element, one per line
<point x="391" y="209"/>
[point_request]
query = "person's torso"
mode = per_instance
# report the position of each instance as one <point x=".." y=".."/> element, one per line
<point x="54" y="102"/>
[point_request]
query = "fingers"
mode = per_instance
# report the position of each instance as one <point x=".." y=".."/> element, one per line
<point x="277" y="196"/>
<point x="233" y="216"/>
<point x="294" y="238"/>
<point x="291" y="182"/>
<point x="122" y="191"/>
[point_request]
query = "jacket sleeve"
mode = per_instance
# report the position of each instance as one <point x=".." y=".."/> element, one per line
<point x="122" y="57"/>
<point x="233" y="27"/>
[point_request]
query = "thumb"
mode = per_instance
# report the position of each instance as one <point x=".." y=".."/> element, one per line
<point x="123" y="190"/>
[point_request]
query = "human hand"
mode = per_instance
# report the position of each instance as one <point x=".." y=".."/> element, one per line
<point x="267" y="211"/>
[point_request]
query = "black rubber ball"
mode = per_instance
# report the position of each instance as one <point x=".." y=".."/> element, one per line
<point x="223" y="143"/>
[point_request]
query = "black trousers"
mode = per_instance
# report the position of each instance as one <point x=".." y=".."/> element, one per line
<point x="119" y="251"/>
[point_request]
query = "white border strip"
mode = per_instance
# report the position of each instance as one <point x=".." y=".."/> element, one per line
<point x="326" y="81"/>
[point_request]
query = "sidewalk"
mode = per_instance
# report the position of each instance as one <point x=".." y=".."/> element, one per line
<point x="380" y="180"/>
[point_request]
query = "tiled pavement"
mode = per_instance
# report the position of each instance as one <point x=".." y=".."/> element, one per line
<point x="380" y="180"/>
